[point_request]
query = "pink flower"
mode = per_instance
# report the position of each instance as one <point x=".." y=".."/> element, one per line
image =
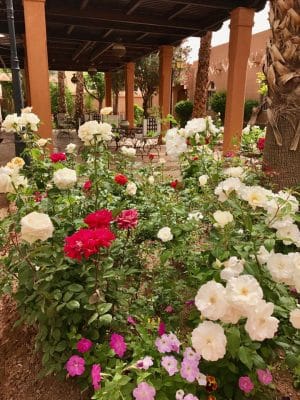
<point x="75" y="366"/>
<point x="145" y="363"/>
<point x="261" y="143"/>
<point x="99" y="219"/>
<point x="190" y="355"/>
<point x="170" y="364"/>
<point x="167" y="343"/>
<point x="169" y="309"/>
<point x="190" y="397"/>
<point x="56" y="157"/>
<point x="264" y="376"/>
<point x="229" y="154"/>
<point x="84" y="345"/>
<point x="161" y="330"/>
<point x="128" y="219"/>
<point x="96" y="376"/>
<point x="121" y="179"/>
<point x="131" y="320"/>
<point x="117" y="343"/>
<point x="86" y="242"/>
<point x="189" y="370"/>
<point x="245" y="384"/>
<point x="87" y="186"/>
<point x="144" y="392"/>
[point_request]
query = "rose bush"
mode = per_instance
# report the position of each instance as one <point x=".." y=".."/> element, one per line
<point x="142" y="289"/>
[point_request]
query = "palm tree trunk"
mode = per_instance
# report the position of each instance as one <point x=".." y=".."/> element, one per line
<point x="200" y="98"/>
<point x="79" y="96"/>
<point x="282" y="147"/>
<point x="62" y="105"/>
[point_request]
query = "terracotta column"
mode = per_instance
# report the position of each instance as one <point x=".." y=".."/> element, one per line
<point x="27" y="87"/>
<point x="37" y="63"/>
<point x="129" y="93"/>
<point x="239" y="51"/>
<point x="165" y="81"/>
<point x="108" y="99"/>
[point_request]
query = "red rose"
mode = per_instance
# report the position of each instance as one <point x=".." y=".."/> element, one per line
<point x="207" y="140"/>
<point x="99" y="219"/>
<point x="87" y="186"/>
<point x="229" y="154"/>
<point x="121" y="179"/>
<point x="151" y="157"/>
<point x="174" y="184"/>
<point x="195" y="158"/>
<point x="86" y="242"/>
<point x="128" y="219"/>
<point x="56" y="157"/>
<point x="261" y="143"/>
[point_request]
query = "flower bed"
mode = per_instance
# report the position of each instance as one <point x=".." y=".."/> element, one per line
<point x="147" y="289"/>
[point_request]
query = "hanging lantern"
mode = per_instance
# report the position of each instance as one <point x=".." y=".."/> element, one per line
<point x="118" y="50"/>
<point x="74" y="79"/>
<point x="92" y="71"/>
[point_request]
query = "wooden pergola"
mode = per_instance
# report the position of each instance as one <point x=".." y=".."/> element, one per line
<point x="77" y="34"/>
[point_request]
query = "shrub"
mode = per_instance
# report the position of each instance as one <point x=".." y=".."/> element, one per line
<point x="54" y="99"/>
<point x="184" y="110"/>
<point x="138" y="115"/>
<point x="249" y="104"/>
<point x="218" y="104"/>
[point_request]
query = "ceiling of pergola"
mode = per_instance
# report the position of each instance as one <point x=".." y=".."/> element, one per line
<point x="82" y="32"/>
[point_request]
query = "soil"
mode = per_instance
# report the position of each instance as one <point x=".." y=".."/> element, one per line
<point x="20" y="364"/>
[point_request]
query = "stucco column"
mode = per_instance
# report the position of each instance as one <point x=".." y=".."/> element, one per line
<point x="129" y="93"/>
<point x="37" y="63"/>
<point x="239" y="51"/>
<point x="108" y="83"/>
<point x="165" y="81"/>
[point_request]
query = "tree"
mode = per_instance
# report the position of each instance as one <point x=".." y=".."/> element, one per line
<point x="95" y="87"/>
<point x="62" y="105"/>
<point x="118" y="84"/>
<point x="147" y="78"/>
<point x="282" y="152"/>
<point x="54" y="95"/>
<point x="79" y="96"/>
<point x="200" y="97"/>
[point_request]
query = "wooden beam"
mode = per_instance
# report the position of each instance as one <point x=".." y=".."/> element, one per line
<point x="84" y="4"/>
<point x="133" y="5"/>
<point x="218" y="4"/>
<point x="178" y="10"/>
<point x="98" y="53"/>
<point x="81" y="50"/>
<point x="106" y="34"/>
<point x="142" y="36"/>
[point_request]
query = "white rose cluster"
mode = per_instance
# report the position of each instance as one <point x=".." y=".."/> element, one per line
<point x="92" y="132"/>
<point x="175" y="143"/>
<point x="10" y="177"/>
<point x="222" y="218"/>
<point x="242" y="298"/>
<point x="36" y="226"/>
<point x="129" y="152"/>
<point x="65" y="178"/>
<point x="131" y="189"/>
<point x="15" y="124"/>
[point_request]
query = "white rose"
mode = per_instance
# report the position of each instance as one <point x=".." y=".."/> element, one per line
<point x="151" y="180"/>
<point x="105" y="132"/>
<point x="281" y="267"/>
<point x="71" y="148"/>
<point x="131" y="189"/>
<point x="260" y="324"/>
<point x="26" y="110"/>
<point x="88" y="131"/>
<point x="224" y="188"/>
<point x="196" y="125"/>
<point x="289" y="234"/>
<point x="195" y="216"/>
<point x="211" y="300"/>
<point x="36" y="226"/>
<point x="128" y="151"/>
<point x="165" y="234"/>
<point x="263" y="255"/>
<point x="106" y="110"/>
<point x="222" y="218"/>
<point x="209" y="340"/>
<point x="30" y="120"/>
<point x="65" y="178"/>
<point x="18" y="180"/>
<point x="203" y="180"/>
<point x="295" y="318"/>
<point x="11" y="123"/>
<point x="42" y="142"/>
<point x="234" y="172"/>
<point x="175" y="144"/>
<point x="233" y="268"/>
<point x="5" y="183"/>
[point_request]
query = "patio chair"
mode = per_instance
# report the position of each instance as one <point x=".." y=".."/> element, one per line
<point x="65" y="125"/>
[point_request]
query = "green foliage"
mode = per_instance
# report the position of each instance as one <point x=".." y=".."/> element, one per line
<point x="184" y="110"/>
<point x="54" y="93"/>
<point x="95" y="86"/>
<point x="88" y="103"/>
<point x="218" y="104"/>
<point x="262" y="82"/>
<point x="249" y="104"/>
<point x="138" y="115"/>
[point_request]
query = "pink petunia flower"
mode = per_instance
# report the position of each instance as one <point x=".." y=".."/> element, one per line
<point x="75" y="366"/>
<point x="190" y="355"/>
<point x="117" y="344"/>
<point x="144" y="392"/>
<point x="131" y="320"/>
<point x="169" y="309"/>
<point x="84" y="345"/>
<point x="96" y="376"/>
<point x="167" y="343"/>
<point x="190" y="397"/>
<point x="264" y="376"/>
<point x="245" y="384"/>
<point x="189" y="370"/>
<point x="170" y="364"/>
<point x="145" y="363"/>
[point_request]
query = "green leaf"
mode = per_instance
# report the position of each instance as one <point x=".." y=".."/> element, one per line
<point x="75" y="287"/>
<point x="269" y="244"/>
<point x="61" y="346"/>
<point x="104" y="308"/>
<point x="93" y="318"/>
<point x="245" y="355"/>
<point x="233" y="341"/>
<point x="73" y="305"/>
<point x="105" y="320"/>
<point x="165" y="255"/>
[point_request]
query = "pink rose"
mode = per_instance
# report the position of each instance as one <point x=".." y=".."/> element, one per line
<point x="245" y="384"/>
<point x="84" y="345"/>
<point x="128" y="219"/>
<point x="75" y="366"/>
<point x="264" y="376"/>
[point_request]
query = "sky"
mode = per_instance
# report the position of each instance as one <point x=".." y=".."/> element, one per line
<point x="261" y="23"/>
